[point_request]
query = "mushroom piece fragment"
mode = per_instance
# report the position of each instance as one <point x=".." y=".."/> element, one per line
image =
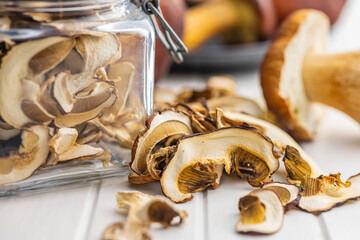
<point x="15" y="67"/>
<point x="88" y="107"/>
<point x="241" y="149"/>
<point x="261" y="212"/>
<point x="32" y="153"/>
<point x="7" y="131"/>
<point x="289" y="194"/>
<point x="326" y="192"/>
<point x="142" y="210"/>
<point x="320" y="193"/>
<point x="64" y="148"/>
<point x="159" y="127"/>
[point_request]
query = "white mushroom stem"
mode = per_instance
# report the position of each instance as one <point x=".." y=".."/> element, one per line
<point x="334" y="80"/>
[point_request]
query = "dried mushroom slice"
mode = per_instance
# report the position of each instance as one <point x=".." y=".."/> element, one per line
<point x="237" y="104"/>
<point x="88" y="47"/>
<point x="142" y="210"/>
<point x="221" y="86"/>
<point x="64" y="148"/>
<point x="14" y="69"/>
<point x="289" y="194"/>
<point x="280" y="138"/>
<point x="241" y="149"/>
<point x="32" y="153"/>
<point x="326" y="192"/>
<point x="159" y="127"/>
<point x="87" y="107"/>
<point x="125" y="72"/>
<point x="261" y="212"/>
<point x="7" y="131"/>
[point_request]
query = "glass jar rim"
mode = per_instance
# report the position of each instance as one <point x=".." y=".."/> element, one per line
<point x="55" y="6"/>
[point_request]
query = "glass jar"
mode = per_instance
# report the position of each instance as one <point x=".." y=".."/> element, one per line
<point x="76" y="84"/>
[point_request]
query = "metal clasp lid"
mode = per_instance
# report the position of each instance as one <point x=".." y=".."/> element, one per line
<point x="167" y="36"/>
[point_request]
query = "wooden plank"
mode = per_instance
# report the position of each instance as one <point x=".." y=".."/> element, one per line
<point x="53" y="215"/>
<point x="106" y="211"/>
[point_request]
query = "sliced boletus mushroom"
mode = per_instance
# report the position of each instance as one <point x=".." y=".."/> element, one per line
<point x="261" y="212"/>
<point x="15" y="68"/>
<point x="296" y="72"/>
<point x="32" y="153"/>
<point x="123" y="71"/>
<point x="97" y="52"/>
<point x="280" y="138"/>
<point x="289" y="194"/>
<point x="142" y="210"/>
<point x="88" y="107"/>
<point x="159" y="127"/>
<point x="64" y="148"/>
<point x="321" y="193"/>
<point x="7" y="131"/>
<point x="241" y="149"/>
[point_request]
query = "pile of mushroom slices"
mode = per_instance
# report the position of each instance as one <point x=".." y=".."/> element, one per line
<point x="189" y="144"/>
<point x="60" y="95"/>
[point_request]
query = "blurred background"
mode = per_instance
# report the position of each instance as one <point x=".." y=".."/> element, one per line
<point x="224" y="36"/>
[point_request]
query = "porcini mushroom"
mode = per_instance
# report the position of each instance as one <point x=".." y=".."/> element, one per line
<point x="142" y="210"/>
<point x="289" y="194"/>
<point x="32" y="153"/>
<point x="297" y="72"/>
<point x="261" y="212"/>
<point x="241" y="149"/>
<point x="326" y="192"/>
<point x="16" y="67"/>
<point x="159" y="127"/>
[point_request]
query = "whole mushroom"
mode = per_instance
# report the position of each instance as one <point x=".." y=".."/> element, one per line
<point x="297" y="72"/>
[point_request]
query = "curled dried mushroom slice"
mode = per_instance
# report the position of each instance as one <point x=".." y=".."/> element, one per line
<point x="32" y="153"/>
<point x="261" y="212"/>
<point x="15" y="67"/>
<point x="142" y="210"/>
<point x="7" y="131"/>
<point x="321" y="193"/>
<point x="64" y="148"/>
<point x="326" y="192"/>
<point x="240" y="149"/>
<point x="88" y="107"/>
<point x="88" y="47"/>
<point x="289" y="194"/>
<point x="280" y="138"/>
<point x="159" y="127"/>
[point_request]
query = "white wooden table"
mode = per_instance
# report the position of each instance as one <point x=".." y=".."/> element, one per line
<point x="83" y="212"/>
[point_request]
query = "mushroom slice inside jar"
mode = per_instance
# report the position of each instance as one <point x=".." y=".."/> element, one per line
<point x="289" y="194"/>
<point x="261" y="212"/>
<point x="7" y="131"/>
<point x="159" y="127"/>
<point x="97" y="52"/>
<point x="88" y="107"/>
<point x="142" y="210"/>
<point x="32" y="153"/>
<point x="124" y="71"/>
<point x="64" y="148"/>
<point x="14" y="69"/>
<point x="241" y="149"/>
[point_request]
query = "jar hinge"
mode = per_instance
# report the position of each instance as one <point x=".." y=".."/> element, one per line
<point x="167" y="36"/>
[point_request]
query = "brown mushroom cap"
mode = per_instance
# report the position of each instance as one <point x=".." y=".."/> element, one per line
<point x="303" y="32"/>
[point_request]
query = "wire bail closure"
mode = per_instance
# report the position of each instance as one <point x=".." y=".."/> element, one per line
<point x="167" y="36"/>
